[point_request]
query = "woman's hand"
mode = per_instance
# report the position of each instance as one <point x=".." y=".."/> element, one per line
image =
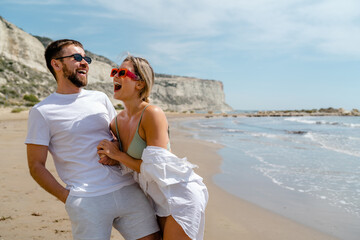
<point x="109" y="149"/>
<point x="108" y="161"/>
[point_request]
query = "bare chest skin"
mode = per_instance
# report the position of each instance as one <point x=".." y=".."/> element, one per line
<point x="127" y="129"/>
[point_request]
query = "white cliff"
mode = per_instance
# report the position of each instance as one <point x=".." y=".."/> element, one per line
<point x="183" y="94"/>
<point x="23" y="71"/>
<point x="19" y="46"/>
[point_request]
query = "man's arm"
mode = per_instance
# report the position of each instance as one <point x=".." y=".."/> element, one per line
<point x="37" y="155"/>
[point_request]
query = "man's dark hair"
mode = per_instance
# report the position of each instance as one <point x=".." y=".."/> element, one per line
<point x="53" y="50"/>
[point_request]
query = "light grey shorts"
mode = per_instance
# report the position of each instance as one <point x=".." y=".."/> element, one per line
<point x="127" y="209"/>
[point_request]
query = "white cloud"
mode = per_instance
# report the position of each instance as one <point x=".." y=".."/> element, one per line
<point x="181" y="28"/>
<point x="173" y="50"/>
<point x="171" y="18"/>
<point x="320" y="25"/>
<point x="323" y="26"/>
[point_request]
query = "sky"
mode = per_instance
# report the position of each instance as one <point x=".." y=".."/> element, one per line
<point x="269" y="54"/>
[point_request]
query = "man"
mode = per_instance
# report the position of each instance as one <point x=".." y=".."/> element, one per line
<point x="69" y="124"/>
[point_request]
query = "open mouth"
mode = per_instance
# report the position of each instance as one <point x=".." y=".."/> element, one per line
<point x="117" y="86"/>
<point x="82" y="72"/>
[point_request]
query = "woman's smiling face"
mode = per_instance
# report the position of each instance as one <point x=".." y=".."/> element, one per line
<point x="124" y="86"/>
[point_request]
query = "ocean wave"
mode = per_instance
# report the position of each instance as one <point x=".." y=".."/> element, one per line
<point x="263" y="161"/>
<point x="235" y="131"/>
<point x="300" y="120"/>
<point x="323" y="122"/>
<point x="209" y="126"/>
<point x="340" y="144"/>
<point x="211" y="141"/>
<point x="267" y="135"/>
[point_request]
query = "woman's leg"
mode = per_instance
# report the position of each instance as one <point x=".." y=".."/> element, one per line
<point x="161" y="222"/>
<point x="172" y="230"/>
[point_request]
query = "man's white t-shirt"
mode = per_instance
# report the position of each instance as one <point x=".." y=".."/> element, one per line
<point x="72" y="125"/>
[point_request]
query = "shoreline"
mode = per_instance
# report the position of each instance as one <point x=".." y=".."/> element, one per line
<point x="236" y="217"/>
<point x="328" y="112"/>
<point x="28" y="212"/>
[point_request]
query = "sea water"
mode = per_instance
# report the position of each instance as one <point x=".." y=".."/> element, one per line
<point x="304" y="168"/>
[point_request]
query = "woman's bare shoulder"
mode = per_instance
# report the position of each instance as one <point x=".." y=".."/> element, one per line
<point x="154" y="112"/>
<point x="119" y="117"/>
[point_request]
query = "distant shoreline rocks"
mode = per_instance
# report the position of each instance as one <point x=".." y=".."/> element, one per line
<point x="291" y="113"/>
<point x="314" y="112"/>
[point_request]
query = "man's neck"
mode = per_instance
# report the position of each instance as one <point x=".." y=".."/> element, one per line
<point x="66" y="87"/>
<point x="68" y="92"/>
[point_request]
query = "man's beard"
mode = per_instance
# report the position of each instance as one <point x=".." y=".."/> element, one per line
<point x="73" y="78"/>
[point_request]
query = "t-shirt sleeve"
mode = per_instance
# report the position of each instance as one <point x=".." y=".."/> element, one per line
<point x="38" y="129"/>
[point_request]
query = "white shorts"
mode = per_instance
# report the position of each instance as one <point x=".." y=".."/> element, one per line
<point x="127" y="209"/>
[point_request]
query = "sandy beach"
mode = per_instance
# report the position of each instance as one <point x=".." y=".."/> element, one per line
<point x="28" y="212"/>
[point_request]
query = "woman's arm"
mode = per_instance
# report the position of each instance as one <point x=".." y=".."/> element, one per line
<point x="153" y="129"/>
<point x="112" y="150"/>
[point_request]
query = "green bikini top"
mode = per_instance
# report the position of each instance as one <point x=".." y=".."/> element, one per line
<point x="137" y="144"/>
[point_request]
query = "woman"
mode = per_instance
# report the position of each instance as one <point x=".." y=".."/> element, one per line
<point x="178" y="194"/>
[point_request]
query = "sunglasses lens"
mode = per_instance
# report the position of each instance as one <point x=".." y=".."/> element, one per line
<point x="78" y="57"/>
<point x="87" y="59"/>
<point x="113" y="72"/>
<point x="122" y="73"/>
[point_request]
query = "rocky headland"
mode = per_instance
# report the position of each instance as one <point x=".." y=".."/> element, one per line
<point x="24" y="78"/>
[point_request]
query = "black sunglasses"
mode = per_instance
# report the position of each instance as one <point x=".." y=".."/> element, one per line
<point x="77" y="57"/>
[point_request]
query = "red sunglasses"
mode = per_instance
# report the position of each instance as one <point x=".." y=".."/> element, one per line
<point x="123" y="72"/>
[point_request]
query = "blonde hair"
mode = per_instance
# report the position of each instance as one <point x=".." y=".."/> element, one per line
<point x="143" y="69"/>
